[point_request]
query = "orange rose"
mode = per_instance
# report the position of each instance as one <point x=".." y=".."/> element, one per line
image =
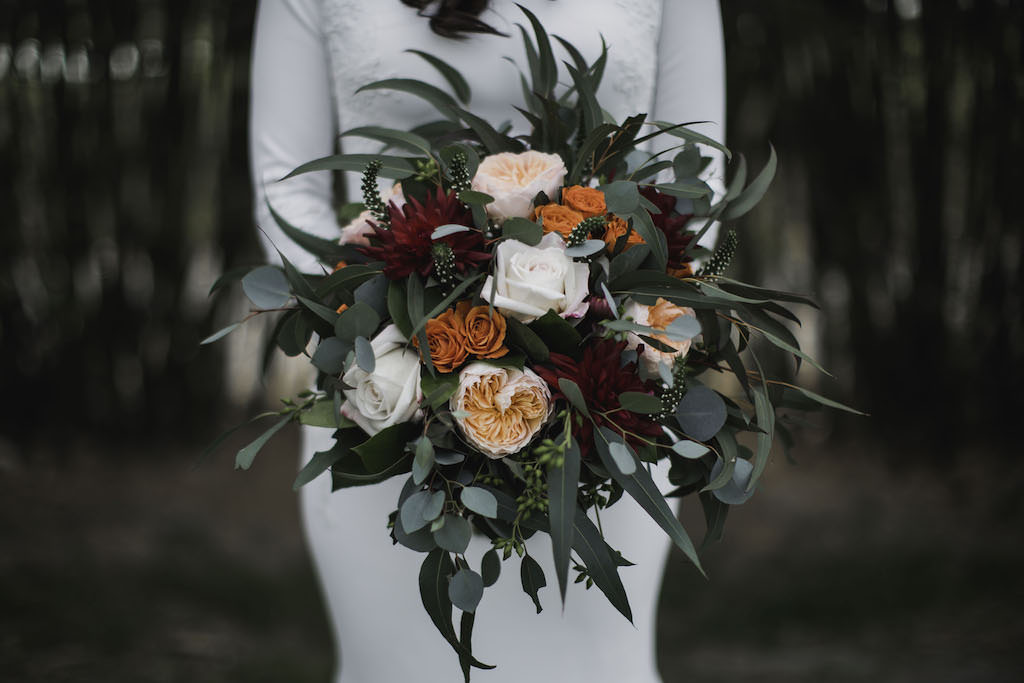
<point x="616" y="228"/>
<point x="484" y="334"/>
<point x="585" y="200"/>
<point x="558" y="218"/>
<point x="446" y="340"/>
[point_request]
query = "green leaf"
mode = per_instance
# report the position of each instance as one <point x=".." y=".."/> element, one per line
<point x="358" y="320"/>
<point x="715" y="512"/>
<point x="627" y="262"/>
<point x="639" y="402"/>
<point x="423" y="461"/>
<point x="690" y="449"/>
<point x="414" y="303"/>
<point x="364" y="355"/>
<point x="681" y="131"/>
<point x="522" y="337"/>
<point x="421" y="541"/>
<point x="721" y="474"/>
<point x="449" y="229"/>
<point x="244" y="458"/>
<point x="562" y="483"/>
<point x="522" y="230"/>
<point x="330" y="355"/>
<point x="475" y="198"/>
<point x="590" y="144"/>
<point x="325" y="414"/>
<point x="449" y="73"/>
<point x="223" y="332"/>
<point x="481" y="501"/>
<point x="433" y="580"/>
<point x="621" y="197"/>
<point x="547" y="70"/>
<point x="229" y="276"/>
<point x="642" y="488"/>
<point x="601" y="566"/>
<point x="588" y="248"/>
<point x="394" y="168"/>
<point x="490" y="567"/>
<point x="753" y="193"/>
<point x="412" y="511"/>
<point x="818" y="398"/>
<point x="441" y="100"/>
<point x="692" y="190"/>
<point x="701" y="413"/>
<point x="386" y="448"/>
<point x="317" y="465"/>
<point x="266" y="287"/>
<point x="398" y="308"/>
<point x="572" y="393"/>
<point x="533" y="579"/>
<point x="437" y="389"/>
<point x="455" y="534"/>
<point x="653" y="238"/>
<point x="739" y="179"/>
<point x="558" y="335"/>
<point x="327" y="251"/>
<point x="465" y="590"/>
<point x="347" y="278"/>
<point x="737" y="490"/>
<point x="326" y="314"/>
<point x="623" y="457"/>
<point x="434" y="507"/>
<point x="390" y="136"/>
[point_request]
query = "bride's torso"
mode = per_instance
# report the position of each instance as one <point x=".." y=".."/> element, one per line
<point x="369" y="41"/>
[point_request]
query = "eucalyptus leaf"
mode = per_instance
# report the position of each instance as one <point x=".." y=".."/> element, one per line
<point x="455" y="534"/>
<point x="735" y="491"/>
<point x="358" y="320"/>
<point x="465" y="590"/>
<point x="317" y="465"/>
<point x="621" y="197"/>
<point x="690" y="449"/>
<point x="395" y="168"/>
<point x="639" y="402"/>
<point x="447" y="229"/>
<point x="753" y="192"/>
<point x="244" y="458"/>
<point x="572" y="393"/>
<point x="266" y="287"/>
<point x="423" y="460"/>
<point x="588" y="248"/>
<point x="701" y="413"/>
<point x="451" y="74"/>
<point x="330" y="354"/>
<point x="532" y="576"/>
<point x="601" y="566"/>
<point x="365" y="358"/>
<point x="411" y="512"/>
<point x="522" y="230"/>
<point x="223" y="332"/>
<point x="624" y="460"/>
<point x="480" y="501"/>
<point x="490" y="567"/>
<point x="432" y="510"/>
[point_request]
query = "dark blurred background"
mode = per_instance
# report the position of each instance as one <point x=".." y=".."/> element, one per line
<point x="890" y="553"/>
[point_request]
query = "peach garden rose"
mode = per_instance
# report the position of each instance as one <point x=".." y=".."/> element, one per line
<point x="515" y="179"/>
<point x="501" y="409"/>
<point x="659" y="316"/>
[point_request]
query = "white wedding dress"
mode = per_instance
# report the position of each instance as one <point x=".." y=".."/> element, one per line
<point x="665" y="58"/>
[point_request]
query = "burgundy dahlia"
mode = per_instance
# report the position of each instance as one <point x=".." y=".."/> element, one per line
<point x="673" y="224"/>
<point x="601" y="377"/>
<point x="406" y="247"/>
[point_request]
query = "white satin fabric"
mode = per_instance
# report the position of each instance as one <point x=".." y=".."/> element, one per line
<point x="665" y="57"/>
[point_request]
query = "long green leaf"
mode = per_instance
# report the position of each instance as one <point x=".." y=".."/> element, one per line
<point x="449" y="73"/>
<point x="547" y="69"/>
<point x="317" y="465"/>
<point x="390" y="136"/>
<point x="752" y="194"/>
<point x="395" y="168"/>
<point x="244" y="458"/>
<point x="601" y="566"/>
<point x="562" y="483"/>
<point x="642" y="488"/>
<point x="441" y="100"/>
<point x="433" y="580"/>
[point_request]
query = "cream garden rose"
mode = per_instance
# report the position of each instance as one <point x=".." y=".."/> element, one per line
<point x="358" y="230"/>
<point x="391" y="393"/>
<point x="515" y="179"/>
<point x="530" y="281"/>
<point x="500" y="409"/>
<point x="659" y="316"/>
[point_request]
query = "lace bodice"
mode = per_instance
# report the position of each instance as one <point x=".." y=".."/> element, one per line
<point x="310" y="56"/>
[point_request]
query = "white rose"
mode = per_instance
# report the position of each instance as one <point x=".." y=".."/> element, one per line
<point x="358" y="230"/>
<point x="515" y="179"/>
<point x="659" y="316"/>
<point x="391" y="393"/>
<point x="501" y="408"/>
<point x="530" y="281"/>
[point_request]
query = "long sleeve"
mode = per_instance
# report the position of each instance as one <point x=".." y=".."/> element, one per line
<point x="291" y="122"/>
<point x="691" y="77"/>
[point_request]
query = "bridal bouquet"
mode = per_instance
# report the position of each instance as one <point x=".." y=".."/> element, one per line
<point x="518" y="327"/>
